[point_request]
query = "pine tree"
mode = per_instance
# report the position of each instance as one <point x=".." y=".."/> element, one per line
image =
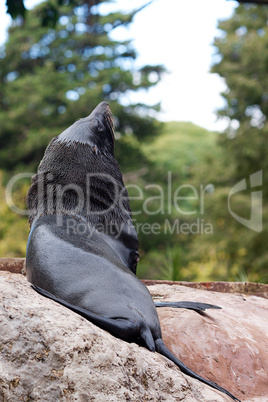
<point x="242" y="61"/>
<point x="50" y="77"/>
<point x="243" y="52"/>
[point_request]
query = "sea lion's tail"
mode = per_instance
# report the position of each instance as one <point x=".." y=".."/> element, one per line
<point x="163" y="350"/>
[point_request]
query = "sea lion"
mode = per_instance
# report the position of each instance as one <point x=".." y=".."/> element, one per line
<point x="82" y="249"/>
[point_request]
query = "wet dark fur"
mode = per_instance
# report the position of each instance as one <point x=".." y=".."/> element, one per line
<point x="102" y="190"/>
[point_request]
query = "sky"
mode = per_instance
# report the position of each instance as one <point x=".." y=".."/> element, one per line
<point x="178" y="34"/>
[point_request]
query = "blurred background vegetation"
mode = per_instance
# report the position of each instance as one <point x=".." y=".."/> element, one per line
<point x="59" y="63"/>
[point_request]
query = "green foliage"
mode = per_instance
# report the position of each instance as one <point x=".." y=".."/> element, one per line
<point x="243" y="50"/>
<point x="64" y="73"/>
<point x="14" y="228"/>
<point x="40" y="67"/>
<point x="172" y="265"/>
<point x="50" y="77"/>
<point x="49" y="11"/>
<point x="243" y="54"/>
<point x="183" y="149"/>
<point x="180" y="146"/>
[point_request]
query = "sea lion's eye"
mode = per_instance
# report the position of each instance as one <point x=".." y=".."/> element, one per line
<point x="100" y="127"/>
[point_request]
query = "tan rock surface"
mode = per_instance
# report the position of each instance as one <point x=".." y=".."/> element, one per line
<point x="48" y="353"/>
<point x="229" y="346"/>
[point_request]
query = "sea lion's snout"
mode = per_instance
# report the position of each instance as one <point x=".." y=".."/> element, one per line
<point x="96" y="130"/>
<point x="102" y="116"/>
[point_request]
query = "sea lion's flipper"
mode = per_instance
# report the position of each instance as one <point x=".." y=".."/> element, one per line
<point x="187" y="304"/>
<point x="148" y="339"/>
<point x="119" y="327"/>
<point x="163" y="350"/>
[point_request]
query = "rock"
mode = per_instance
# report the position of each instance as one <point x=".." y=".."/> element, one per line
<point x="248" y="288"/>
<point x="15" y="265"/>
<point x="228" y="346"/>
<point x="48" y="353"/>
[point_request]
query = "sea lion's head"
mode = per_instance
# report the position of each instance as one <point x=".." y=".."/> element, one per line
<point x="95" y="130"/>
<point x="80" y="176"/>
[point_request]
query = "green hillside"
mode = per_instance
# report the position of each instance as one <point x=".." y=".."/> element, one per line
<point x="181" y="144"/>
<point x="187" y="152"/>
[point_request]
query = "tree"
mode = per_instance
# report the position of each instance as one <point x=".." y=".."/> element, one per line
<point x="243" y="62"/>
<point x="50" y="11"/>
<point x="51" y="77"/>
<point x="243" y="51"/>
